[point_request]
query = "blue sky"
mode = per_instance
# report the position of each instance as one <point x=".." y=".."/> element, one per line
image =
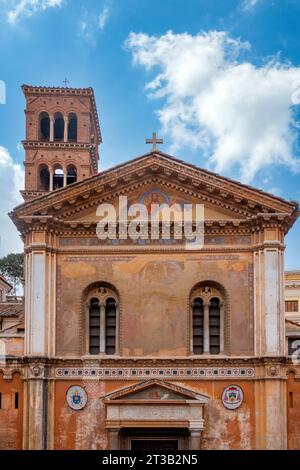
<point x="214" y="78"/>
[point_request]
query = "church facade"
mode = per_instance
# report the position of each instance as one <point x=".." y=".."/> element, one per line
<point x="144" y="343"/>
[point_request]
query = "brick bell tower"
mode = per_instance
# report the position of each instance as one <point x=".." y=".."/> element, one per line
<point x="62" y="138"/>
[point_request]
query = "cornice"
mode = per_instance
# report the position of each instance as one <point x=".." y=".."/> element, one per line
<point x="240" y="198"/>
<point x="47" y="145"/>
<point x="119" y="361"/>
<point x="54" y="145"/>
<point x="27" y="223"/>
<point x="155" y="168"/>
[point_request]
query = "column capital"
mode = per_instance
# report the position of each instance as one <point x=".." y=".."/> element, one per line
<point x="196" y="425"/>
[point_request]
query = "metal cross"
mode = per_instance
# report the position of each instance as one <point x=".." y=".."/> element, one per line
<point x="154" y="141"/>
<point x="66" y="81"/>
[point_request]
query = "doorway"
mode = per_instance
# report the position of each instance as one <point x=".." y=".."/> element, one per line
<point x="150" y="445"/>
<point x="155" y="439"/>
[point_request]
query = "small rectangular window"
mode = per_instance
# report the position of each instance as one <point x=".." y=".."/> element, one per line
<point x="291" y="306"/>
<point x="16" y="400"/>
<point x="0" y="400"/>
<point x="291" y="400"/>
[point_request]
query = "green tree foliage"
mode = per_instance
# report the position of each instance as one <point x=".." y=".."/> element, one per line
<point x="11" y="267"/>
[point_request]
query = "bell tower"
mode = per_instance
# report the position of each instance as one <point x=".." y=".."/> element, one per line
<point x="62" y="138"/>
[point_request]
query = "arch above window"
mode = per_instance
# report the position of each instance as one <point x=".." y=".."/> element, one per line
<point x="102" y="319"/>
<point x="207" y="319"/>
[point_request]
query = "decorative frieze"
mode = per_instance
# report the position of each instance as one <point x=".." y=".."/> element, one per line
<point x="128" y="373"/>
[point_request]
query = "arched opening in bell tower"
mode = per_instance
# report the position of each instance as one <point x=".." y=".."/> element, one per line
<point x="59" y="124"/>
<point x="44" y="129"/>
<point x="44" y="178"/>
<point x="71" y="174"/>
<point x="72" y="127"/>
<point x="58" y="177"/>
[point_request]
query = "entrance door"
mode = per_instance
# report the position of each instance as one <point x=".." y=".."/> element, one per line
<point x="159" y="445"/>
<point x="155" y="439"/>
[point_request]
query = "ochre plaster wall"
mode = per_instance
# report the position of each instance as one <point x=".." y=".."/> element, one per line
<point x="10" y="417"/>
<point x="154" y="294"/>
<point x="85" y="429"/>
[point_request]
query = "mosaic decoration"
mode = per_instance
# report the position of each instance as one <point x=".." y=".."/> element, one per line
<point x="232" y="397"/>
<point x="143" y="372"/>
<point x="76" y="397"/>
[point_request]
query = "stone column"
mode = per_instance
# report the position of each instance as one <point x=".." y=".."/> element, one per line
<point x="196" y="423"/>
<point x="195" y="435"/>
<point x="50" y="179"/>
<point x="40" y="333"/>
<point x="66" y="122"/>
<point x="114" y="440"/>
<point x="65" y="177"/>
<point x="206" y="328"/>
<point x="40" y="297"/>
<point x="35" y="418"/>
<point x="268" y="291"/>
<point x="222" y="328"/>
<point x="102" y="328"/>
<point x="117" y="327"/>
<point x="52" y="128"/>
<point x="270" y="410"/>
<point x="35" y="304"/>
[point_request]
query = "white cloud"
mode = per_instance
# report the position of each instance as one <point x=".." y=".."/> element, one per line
<point x="249" y="4"/>
<point x="11" y="181"/>
<point x="238" y="114"/>
<point x="27" y="8"/>
<point x="91" y="23"/>
<point x="103" y="17"/>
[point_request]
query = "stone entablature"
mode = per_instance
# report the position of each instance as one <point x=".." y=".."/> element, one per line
<point x="199" y="184"/>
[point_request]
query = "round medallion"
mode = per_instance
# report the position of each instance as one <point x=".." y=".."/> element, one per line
<point x="76" y="397"/>
<point x="232" y="397"/>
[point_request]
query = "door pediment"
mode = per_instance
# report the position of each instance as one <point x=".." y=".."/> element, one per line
<point x="157" y="391"/>
<point x="155" y="404"/>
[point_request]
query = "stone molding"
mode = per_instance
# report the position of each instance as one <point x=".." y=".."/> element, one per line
<point x="198" y="183"/>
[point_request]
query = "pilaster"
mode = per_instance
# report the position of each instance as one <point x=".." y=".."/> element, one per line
<point x="268" y="293"/>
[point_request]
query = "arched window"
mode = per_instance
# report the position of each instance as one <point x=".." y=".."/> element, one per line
<point x="72" y="127"/>
<point x="214" y="326"/>
<point x="44" y="131"/>
<point x="102" y="320"/>
<point x="59" y="125"/>
<point x="110" y="325"/>
<point x="58" y="177"/>
<point x="71" y="174"/>
<point x="94" y="323"/>
<point x="207" y="319"/>
<point x="44" y="178"/>
<point x="197" y="326"/>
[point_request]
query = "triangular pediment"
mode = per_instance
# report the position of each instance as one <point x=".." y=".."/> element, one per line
<point x="156" y="390"/>
<point x="152" y="191"/>
<point x="222" y="197"/>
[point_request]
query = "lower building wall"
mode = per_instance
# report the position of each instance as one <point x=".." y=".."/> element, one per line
<point x="11" y="412"/>
<point x="85" y="429"/>
<point x="293" y="411"/>
<point x="262" y="421"/>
